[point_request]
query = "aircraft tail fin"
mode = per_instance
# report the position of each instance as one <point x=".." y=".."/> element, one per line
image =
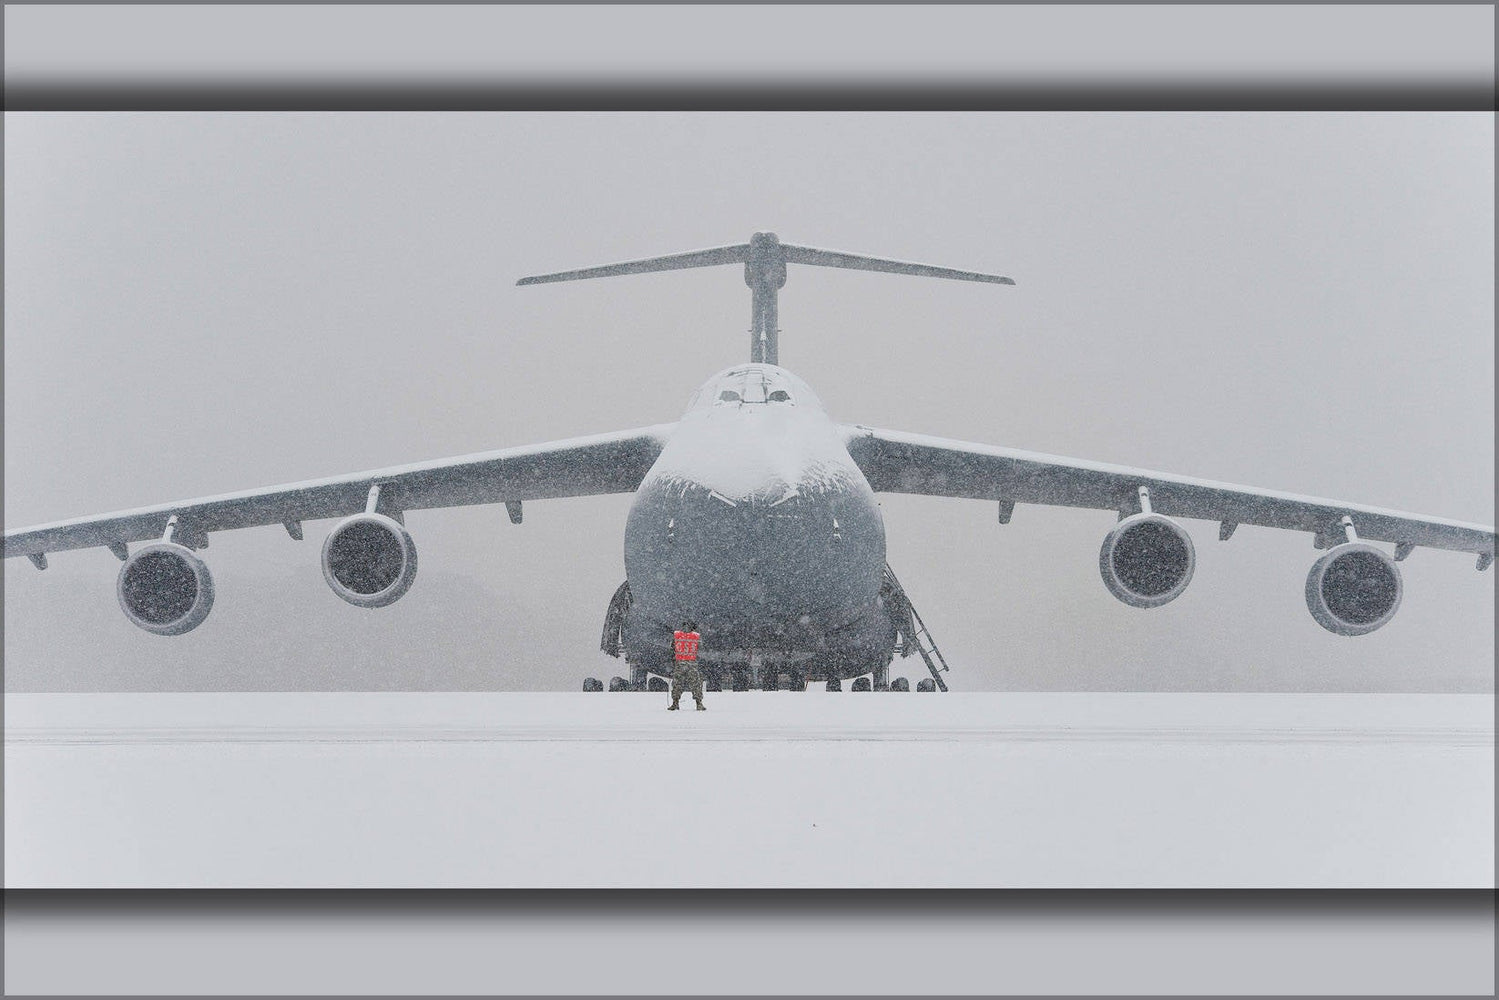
<point x="765" y="258"/>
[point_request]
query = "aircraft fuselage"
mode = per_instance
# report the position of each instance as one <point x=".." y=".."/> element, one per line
<point x="756" y="525"/>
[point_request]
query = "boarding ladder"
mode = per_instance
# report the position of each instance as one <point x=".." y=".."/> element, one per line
<point x="912" y="635"/>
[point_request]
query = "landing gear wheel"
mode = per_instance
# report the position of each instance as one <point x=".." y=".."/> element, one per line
<point x="618" y="684"/>
<point x="657" y="684"/>
<point x="834" y="684"/>
<point x="592" y="684"/>
<point x="900" y="684"/>
<point x="926" y="685"/>
<point x="861" y="684"/>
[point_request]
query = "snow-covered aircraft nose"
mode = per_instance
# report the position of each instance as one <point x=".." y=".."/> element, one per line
<point x="776" y="553"/>
<point x="755" y="517"/>
<point x="771" y="549"/>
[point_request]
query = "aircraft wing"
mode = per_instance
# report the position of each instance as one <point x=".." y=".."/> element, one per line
<point x="896" y="462"/>
<point x="584" y="466"/>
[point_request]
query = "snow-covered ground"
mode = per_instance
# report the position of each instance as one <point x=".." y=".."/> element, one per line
<point x="764" y="789"/>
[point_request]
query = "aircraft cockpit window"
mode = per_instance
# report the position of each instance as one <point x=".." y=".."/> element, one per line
<point x="745" y="387"/>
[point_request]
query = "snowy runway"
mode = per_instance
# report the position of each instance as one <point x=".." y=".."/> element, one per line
<point x="764" y="789"/>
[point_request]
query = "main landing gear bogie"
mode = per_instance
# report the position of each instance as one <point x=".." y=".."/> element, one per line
<point x="898" y="684"/>
<point x="775" y="682"/>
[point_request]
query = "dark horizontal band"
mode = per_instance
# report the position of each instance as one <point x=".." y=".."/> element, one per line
<point x="782" y="95"/>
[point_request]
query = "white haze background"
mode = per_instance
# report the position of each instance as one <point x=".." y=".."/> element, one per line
<point x="199" y="303"/>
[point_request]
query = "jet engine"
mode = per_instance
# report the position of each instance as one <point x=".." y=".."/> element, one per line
<point x="369" y="560"/>
<point x="1147" y="560"/>
<point x="1353" y="589"/>
<point x="165" y="588"/>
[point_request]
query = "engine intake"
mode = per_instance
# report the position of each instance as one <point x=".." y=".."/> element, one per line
<point x="369" y="560"/>
<point x="1147" y="560"/>
<point x="165" y="589"/>
<point x="1353" y="589"/>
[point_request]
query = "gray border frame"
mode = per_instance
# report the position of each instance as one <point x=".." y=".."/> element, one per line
<point x="1430" y="923"/>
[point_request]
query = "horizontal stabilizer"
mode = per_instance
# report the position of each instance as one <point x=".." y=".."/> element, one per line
<point x="674" y="262"/>
<point x="765" y="258"/>
<point x="858" y="262"/>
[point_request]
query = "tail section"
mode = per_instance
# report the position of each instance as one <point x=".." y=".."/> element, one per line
<point x="765" y="258"/>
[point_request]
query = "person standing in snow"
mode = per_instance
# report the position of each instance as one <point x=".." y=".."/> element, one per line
<point x="685" y="673"/>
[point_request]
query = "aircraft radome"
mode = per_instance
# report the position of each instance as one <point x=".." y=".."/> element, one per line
<point x="755" y="517"/>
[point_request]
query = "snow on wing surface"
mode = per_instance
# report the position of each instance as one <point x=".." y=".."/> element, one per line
<point x="585" y="466"/>
<point x="895" y="462"/>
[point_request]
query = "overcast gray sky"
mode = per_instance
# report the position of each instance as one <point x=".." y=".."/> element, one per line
<point x="198" y="303"/>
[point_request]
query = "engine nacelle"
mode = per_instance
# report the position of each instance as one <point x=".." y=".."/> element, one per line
<point x="1147" y="560"/>
<point x="369" y="560"/>
<point x="165" y="588"/>
<point x="1353" y="589"/>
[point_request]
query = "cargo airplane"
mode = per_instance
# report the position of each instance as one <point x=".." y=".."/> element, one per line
<point x="755" y="517"/>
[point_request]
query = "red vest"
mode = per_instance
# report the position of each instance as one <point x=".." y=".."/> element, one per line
<point x="686" y="643"/>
